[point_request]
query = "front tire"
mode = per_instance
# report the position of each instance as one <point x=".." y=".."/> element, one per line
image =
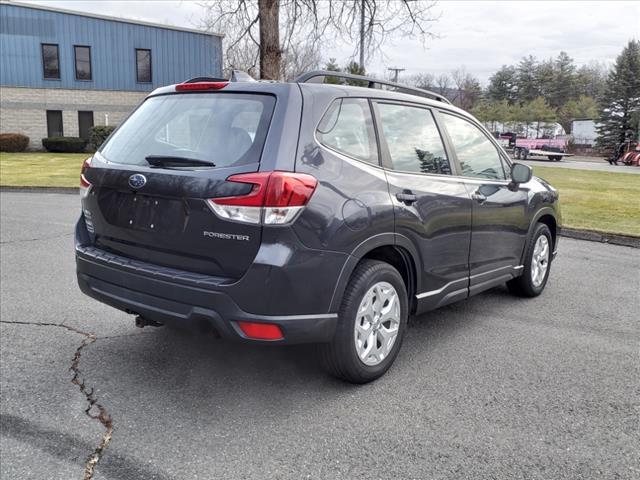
<point x="537" y="265"/>
<point x="371" y="324"/>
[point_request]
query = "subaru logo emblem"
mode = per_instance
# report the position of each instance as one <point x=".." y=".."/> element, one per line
<point x="137" y="181"/>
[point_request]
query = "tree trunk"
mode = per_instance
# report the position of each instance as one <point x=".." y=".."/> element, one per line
<point x="270" y="54"/>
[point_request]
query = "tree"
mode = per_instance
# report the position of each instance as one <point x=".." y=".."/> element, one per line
<point x="591" y="80"/>
<point x="527" y="79"/>
<point x="583" y="107"/>
<point x="468" y="89"/>
<point x="354" y="68"/>
<point x="563" y="80"/>
<point x="620" y="105"/>
<point x="420" y="80"/>
<point x="268" y="29"/>
<point x="332" y="66"/>
<point x="442" y="84"/>
<point x="539" y="111"/>
<point x="544" y="77"/>
<point x="503" y="84"/>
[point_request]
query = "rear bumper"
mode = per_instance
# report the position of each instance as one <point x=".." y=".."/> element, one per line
<point x="171" y="302"/>
<point x="277" y="289"/>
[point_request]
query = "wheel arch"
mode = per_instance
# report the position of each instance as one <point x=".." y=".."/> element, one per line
<point x="547" y="216"/>
<point x="393" y="249"/>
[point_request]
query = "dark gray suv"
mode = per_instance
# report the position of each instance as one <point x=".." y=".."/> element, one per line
<point x="307" y="212"/>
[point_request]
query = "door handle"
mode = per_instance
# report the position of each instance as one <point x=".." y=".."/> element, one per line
<point x="406" y="197"/>
<point x="478" y="197"/>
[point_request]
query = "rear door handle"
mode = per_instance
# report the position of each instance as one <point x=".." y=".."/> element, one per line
<point x="406" y="197"/>
<point x="478" y="197"/>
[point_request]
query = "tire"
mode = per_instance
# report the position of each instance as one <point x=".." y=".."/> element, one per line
<point x="523" y="154"/>
<point x="340" y="357"/>
<point x="516" y="153"/>
<point x="525" y="285"/>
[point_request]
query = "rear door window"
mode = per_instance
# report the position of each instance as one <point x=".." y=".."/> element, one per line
<point x="347" y="127"/>
<point x="227" y="129"/>
<point x="413" y="139"/>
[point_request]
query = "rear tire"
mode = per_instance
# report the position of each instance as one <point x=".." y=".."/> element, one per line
<point x="537" y="265"/>
<point x="374" y="304"/>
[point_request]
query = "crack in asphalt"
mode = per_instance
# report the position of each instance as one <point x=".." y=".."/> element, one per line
<point x="102" y="414"/>
<point x="19" y="240"/>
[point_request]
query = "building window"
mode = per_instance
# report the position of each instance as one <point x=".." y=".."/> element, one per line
<point x="50" y="61"/>
<point x="83" y="62"/>
<point x="85" y="122"/>
<point x="54" y="123"/>
<point x="143" y="65"/>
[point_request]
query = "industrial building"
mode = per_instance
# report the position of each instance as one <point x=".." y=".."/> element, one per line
<point x="61" y="71"/>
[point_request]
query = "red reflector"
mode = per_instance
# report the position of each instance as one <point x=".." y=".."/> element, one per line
<point x="85" y="166"/>
<point x="261" y="331"/>
<point x="272" y="189"/>
<point x="182" y="87"/>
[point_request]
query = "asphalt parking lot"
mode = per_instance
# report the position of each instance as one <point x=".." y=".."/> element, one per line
<point x="493" y="387"/>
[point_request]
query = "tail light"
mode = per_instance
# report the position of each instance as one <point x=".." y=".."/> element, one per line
<point x="190" y="87"/>
<point x="85" y="185"/>
<point x="275" y="199"/>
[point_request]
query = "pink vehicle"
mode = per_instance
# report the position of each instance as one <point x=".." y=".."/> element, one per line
<point x="553" y="149"/>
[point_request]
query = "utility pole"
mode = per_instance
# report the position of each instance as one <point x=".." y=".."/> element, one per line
<point x="396" y="71"/>
<point x="362" y="34"/>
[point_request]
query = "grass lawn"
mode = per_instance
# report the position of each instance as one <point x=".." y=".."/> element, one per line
<point x="600" y="201"/>
<point x="37" y="169"/>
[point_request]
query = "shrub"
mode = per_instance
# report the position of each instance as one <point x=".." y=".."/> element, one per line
<point x="64" y="144"/>
<point x="13" y="142"/>
<point x="99" y="134"/>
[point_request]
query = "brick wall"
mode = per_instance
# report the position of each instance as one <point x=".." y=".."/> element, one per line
<point x="23" y="110"/>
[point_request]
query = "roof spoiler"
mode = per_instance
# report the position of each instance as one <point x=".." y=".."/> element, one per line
<point x="236" y="76"/>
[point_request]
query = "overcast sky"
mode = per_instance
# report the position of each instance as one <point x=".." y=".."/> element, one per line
<point x="480" y="36"/>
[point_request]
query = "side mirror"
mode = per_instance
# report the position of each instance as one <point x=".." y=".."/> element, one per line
<point x="520" y="173"/>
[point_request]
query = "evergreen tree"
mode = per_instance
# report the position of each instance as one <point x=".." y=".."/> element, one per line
<point x="503" y="84"/>
<point x="355" y="68"/>
<point x="332" y="66"/>
<point x="591" y="79"/>
<point x="527" y="79"/>
<point x="563" y="80"/>
<point x="620" y="105"/>
<point x="544" y="77"/>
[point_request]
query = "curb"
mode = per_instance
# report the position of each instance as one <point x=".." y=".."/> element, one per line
<point x="69" y="190"/>
<point x="612" y="238"/>
<point x="589" y="235"/>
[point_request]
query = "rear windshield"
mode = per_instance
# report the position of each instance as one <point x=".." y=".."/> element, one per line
<point x="227" y="129"/>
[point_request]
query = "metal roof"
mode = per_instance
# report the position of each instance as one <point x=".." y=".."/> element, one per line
<point x="107" y="17"/>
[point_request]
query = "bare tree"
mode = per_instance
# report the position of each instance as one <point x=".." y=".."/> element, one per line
<point x="273" y="30"/>
<point x="467" y="89"/>
<point x="421" y="80"/>
<point x="442" y="83"/>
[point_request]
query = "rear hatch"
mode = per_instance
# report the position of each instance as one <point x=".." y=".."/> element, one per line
<point x="151" y="180"/>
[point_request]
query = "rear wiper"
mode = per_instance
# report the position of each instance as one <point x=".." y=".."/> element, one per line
<point x="172" y="161"/>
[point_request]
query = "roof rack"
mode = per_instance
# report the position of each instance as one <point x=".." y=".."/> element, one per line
<point x="318" y="76"/>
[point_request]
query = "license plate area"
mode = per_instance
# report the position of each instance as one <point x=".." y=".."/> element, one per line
<point x="144" y="212"/>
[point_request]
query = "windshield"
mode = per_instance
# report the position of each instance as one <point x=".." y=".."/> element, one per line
<point x="225" y="129"/>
